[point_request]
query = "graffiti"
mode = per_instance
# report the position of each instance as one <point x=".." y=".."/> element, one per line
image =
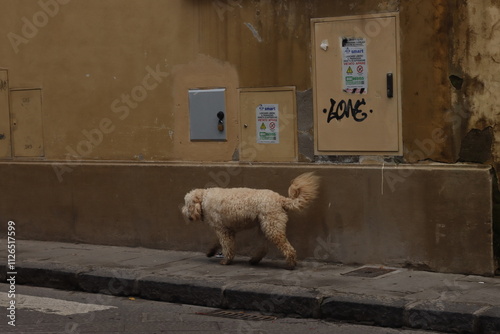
<point x="344" y="109"/>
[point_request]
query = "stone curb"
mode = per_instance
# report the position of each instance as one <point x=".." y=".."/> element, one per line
<point x="266" y="298"/>
<point x="364" y="309"/>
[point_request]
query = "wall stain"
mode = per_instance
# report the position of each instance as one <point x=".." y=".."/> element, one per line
<point x="3" y="85"/>
<point x="477" y="146"/>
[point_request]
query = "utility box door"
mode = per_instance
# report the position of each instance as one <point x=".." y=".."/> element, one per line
<point x="207" y="114"/>
<point x="356" y="83"/>
<point x="26" y="123"/>
<point x="268" y="124"/>
<point x="5" y="143"/>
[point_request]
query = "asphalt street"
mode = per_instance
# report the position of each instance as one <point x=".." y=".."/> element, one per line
<point x="44" y="311"/>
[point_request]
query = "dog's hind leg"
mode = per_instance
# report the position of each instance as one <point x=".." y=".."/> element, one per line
<point x="261" y="251"/>
<point x="274" y="228"/>
<point x="226" y="239"/>
<point x="214" y="249"/>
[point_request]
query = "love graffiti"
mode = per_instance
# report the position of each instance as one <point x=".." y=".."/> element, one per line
<point x="345" y="109"/>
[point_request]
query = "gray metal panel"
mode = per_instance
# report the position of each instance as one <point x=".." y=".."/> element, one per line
<point x="204" y="104"/>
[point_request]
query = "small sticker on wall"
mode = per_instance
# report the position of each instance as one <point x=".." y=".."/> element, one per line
<point x="268" y="124"/>
<point x="354" y="66"/>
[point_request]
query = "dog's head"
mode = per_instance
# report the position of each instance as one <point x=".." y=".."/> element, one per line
<point x="192" y="205"/>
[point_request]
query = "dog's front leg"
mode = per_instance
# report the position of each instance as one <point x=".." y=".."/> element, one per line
<point x="226" y="239"/>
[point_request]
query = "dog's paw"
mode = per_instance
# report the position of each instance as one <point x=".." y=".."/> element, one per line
<point x="291" y="265"/>
<point x="215" y="252"/>
<point x="254" y="262"/>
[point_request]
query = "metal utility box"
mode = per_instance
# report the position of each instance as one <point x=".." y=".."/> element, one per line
<point x="357" y="102"/>
<point x="26" y="122"/>
<point x="268" y="119"/>
<point x="5" y="142"/>
<point x="207" y="114"/>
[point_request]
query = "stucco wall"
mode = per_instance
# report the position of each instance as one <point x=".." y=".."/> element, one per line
<point x="477" y="54"/>
<point x="114" y="76"/>
<point x="131" y="62"/>
<point x="396" y="216"/>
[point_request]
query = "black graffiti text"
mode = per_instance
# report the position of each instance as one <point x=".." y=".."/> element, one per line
<point x="345" y="109"/>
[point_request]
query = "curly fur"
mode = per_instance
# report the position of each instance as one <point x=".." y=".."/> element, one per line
<point x="229" y="211"/>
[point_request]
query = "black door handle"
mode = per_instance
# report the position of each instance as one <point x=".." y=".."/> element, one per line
<point x="390" y="85"/>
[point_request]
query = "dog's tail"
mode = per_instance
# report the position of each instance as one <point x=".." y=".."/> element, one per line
<point x="302" y="191"/>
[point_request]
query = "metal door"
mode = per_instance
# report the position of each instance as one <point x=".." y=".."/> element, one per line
<point x="26" y="122"/>
<point x="268" y="124"/>
<point x="356" y="83"/>
<point x="5" y="144"/>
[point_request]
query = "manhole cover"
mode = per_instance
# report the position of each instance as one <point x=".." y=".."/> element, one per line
<point x="238" y="315"/>
<point x="369" y="272"/>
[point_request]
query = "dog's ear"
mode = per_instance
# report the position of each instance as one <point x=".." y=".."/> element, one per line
<point x="197" y="199"/>
<point x="195" y="212"/>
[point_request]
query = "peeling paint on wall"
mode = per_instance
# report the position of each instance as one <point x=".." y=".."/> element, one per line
<point x="481" y="63"/>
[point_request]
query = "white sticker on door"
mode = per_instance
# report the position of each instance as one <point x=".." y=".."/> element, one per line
<point x="268" y="124"/>
<point x="354" y="65"/>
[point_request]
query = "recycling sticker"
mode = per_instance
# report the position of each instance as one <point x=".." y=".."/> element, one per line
<point x="354" y="66"/>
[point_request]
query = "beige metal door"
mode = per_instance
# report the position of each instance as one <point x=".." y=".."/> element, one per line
<point x="26" y="121"/>
<point x="268" y="124"/>
<point x="5" y="145"/>
<point x="356" y="83"/>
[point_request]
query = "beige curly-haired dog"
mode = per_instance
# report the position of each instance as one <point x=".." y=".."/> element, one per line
<point x="231" y="210"/>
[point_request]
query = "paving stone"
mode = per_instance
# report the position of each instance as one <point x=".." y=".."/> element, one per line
<point x="273" y="299"/>
<point x="179" y="290"/>
<point x="444" y="316"/>
<point x="415" y="299"/>
<point x="489" y="321"/>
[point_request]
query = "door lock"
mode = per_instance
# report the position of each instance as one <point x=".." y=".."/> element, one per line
<point x="220" y="125"/>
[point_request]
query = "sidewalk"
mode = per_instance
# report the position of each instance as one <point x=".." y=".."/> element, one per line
<point x="398" y="298"/>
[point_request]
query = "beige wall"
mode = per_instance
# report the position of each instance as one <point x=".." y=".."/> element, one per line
<point x="114" y="76"/>
<point x="93" y="59"/>
<point x="396" y="216"/>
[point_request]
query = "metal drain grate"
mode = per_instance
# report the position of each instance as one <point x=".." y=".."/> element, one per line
<point x="369" y="272"/>
<point x="238" y="315"/>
